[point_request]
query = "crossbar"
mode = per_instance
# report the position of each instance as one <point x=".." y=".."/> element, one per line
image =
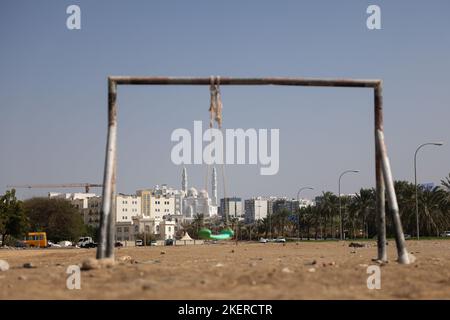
<point x="311" y="82"/>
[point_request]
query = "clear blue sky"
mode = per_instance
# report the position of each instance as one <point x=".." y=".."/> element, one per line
<point x="53" y="89"/>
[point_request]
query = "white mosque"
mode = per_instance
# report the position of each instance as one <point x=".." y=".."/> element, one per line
<point x="195" y="202"/>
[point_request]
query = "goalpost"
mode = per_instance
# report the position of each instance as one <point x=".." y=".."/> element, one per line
<point x="383" y="174"/>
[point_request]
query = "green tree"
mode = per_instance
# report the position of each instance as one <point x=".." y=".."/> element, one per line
<point x="13" y="221"/>
<point x="57" y="217"/>
<point x="199" y="222"/>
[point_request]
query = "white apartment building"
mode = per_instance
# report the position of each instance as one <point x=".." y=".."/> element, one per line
<point x="167" y="229"/>
<point x="127" y="207"/>
<point x="256" y="209"/>
<point x="232" y="207"/>
<point x="303" y="203"/>
<point x="88" y="204"/>
<point x="78" y="199"/>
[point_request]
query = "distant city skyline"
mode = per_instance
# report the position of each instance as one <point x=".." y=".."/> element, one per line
<point x="53" y="90"/>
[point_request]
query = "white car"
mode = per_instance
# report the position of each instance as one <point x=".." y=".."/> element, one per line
<point x="138" y="243"/>
<point x="263" y="240"/>
<point x="65" y="244"/>
<point x="53" y="245"/>
<point x="282" y="240"/>
<point x="445" y="234"/>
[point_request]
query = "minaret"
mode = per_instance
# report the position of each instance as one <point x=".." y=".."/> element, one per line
<point x="214" y="187"/>
<point x="184" y="182"/>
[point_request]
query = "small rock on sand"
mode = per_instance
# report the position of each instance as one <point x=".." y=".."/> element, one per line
<point x="29" y="265"/>
<point x="125" y="259"/>
<point x="4" y="266"/>
<point x="91" y="263"/>
<point x="219" y="265"/>
<point x="22" y="278"/>
<point x="163" y="252"/>
<point x="312" y="270"/>
<point x="412" y="258"/>
<point x="364" y="265"/>
<point x="357" y="245"/>
<point x="286" y="270"/>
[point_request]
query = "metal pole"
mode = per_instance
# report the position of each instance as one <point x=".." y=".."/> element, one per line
<point x="341" y="224"/>
<point x="298" y="199"/>
<point x="402" y="253"/>
<point x="380" y="189"/>
<point x="415" y="181"/>
<point x="106" y="245"/>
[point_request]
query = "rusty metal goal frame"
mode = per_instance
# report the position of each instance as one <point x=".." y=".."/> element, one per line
<point x="383" y="174"/>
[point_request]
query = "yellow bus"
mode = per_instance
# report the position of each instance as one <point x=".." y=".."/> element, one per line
<point x="36" y="239"/>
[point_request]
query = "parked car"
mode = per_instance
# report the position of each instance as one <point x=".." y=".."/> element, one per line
<point x="65" y="243"/>
<point x="86" y="242"/>
<point x="263" y="240"/>
<point x="446" y="234"/>
<point x="118" y="244"/>
<point x="169" y="242"/>
<point x="53" y="245"/>
<point x="281" y="240"/>
<point x="407" y="236"/>
<point x="139" y="243"/>
<point x="21" y="244"/>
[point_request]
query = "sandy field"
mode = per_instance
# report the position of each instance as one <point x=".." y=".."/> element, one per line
<point x="307" y="270"/>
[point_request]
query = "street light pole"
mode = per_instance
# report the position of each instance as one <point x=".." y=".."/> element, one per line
<point x="298" y="199"/>
<point x="415" y="181"/>
<point x="341" y="227"/>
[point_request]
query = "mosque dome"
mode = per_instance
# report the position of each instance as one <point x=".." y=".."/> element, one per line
<point x="192" y="192"/>
<point x="203" y="194"/>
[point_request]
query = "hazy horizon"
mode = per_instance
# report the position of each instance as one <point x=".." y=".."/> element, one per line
<point x="53" y="90"/>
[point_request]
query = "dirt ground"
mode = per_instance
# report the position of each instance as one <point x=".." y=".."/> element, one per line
<point x="308" y="270"/>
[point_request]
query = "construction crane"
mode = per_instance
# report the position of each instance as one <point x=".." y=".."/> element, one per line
<point x="86" y="186"/>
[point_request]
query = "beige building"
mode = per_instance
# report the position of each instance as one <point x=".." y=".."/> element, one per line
<point x="159" y="203"/>
<point x="92" y="213"/>
<point x="125" y="231"/>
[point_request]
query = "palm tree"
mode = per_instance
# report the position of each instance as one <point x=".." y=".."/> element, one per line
<point x="199" y="222"/>
<point x="433" y="203"/>
<point x="406" y="200"/>
<point x="361" y="207"/>
<point x="446" y="183"/>
<point x="309" y="217"/>
<point x="328" y="206"/>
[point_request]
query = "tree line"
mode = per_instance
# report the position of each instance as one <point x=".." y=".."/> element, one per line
<point x="322" y="220"/>
<point x="62" y="221"/>
<point x="57" y="217"/>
